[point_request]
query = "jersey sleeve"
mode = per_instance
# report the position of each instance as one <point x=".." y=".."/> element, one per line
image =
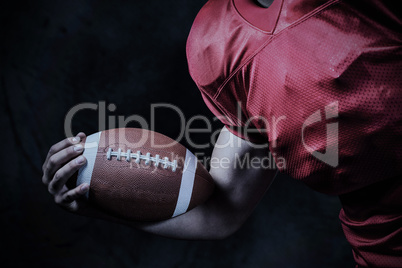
<point x="217" y="46"/>
<point x="240" y="126"/>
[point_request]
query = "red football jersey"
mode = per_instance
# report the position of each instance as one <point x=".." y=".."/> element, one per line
<point x="321" y="81"/>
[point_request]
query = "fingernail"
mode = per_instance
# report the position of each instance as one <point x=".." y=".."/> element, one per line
<point x="85" y="188"/>
<point x="80" y="160"/>
<point x="78" y="148"/>
<point x="76" y="139"/>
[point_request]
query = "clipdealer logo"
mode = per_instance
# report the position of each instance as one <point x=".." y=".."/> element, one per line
<point x="331" y="155"/>
<point x="187" y="127"/>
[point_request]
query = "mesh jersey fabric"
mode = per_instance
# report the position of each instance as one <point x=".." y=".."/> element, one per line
<point x="315" y="77"/>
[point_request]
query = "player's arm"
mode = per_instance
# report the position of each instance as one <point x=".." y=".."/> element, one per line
<point x="239" y="188"/>
<point x="240" y="185"/>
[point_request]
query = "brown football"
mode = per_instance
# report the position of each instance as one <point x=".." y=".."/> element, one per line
<point x="142" y="175"/>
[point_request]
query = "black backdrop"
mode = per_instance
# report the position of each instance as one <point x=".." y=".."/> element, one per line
<point x="57" y="54"/>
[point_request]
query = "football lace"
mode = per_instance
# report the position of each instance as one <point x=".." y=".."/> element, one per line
<point x="138" y="157"/>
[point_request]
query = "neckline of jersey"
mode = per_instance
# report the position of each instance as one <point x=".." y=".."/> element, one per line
<point x="233" y="5"/>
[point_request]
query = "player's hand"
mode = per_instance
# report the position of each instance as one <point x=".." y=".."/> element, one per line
<point x="62" y="161"/>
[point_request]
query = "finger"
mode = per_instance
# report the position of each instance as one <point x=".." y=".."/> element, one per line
<point x="73" y="206"/>
<point x="69" y="197"/>
<point x="62" y="145"/>
<point x="59" y="159"/>
<point x="52" y="162"/>
<point x="75" y="193"/>
<point x="64" y="173"/>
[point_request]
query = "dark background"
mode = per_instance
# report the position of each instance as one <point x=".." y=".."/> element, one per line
<point x="56" y="54"/>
